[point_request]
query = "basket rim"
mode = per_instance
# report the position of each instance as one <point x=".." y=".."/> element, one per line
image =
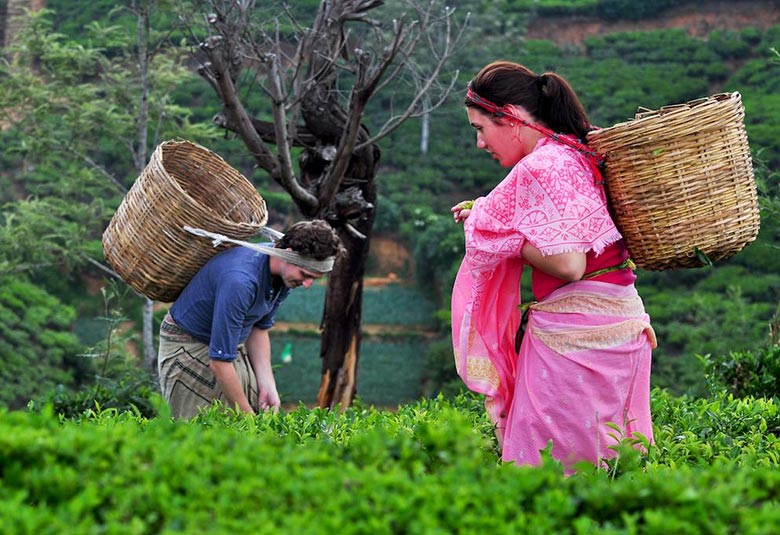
<point x="255" y="226"/>
<point x="670" y="111"/>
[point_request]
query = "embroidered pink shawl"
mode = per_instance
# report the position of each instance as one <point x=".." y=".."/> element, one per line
<point x="550" y="198"/>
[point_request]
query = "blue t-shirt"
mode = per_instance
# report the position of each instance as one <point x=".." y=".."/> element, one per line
<point x="228" y="296"/>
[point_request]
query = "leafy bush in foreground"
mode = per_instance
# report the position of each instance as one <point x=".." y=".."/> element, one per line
<point x="430" y="467"/>
<point x="720" y="430"/>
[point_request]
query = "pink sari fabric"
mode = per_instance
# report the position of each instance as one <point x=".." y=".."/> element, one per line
<point x="584" y="362"/>
<point x="550" y="198"/>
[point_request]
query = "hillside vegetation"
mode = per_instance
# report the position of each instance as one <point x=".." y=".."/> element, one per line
<point x="56" y="206"/>
<point x="96" y="450"/>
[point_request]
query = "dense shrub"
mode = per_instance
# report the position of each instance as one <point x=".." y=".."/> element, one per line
<point x="36" y="348"/>
<point x="731" y="45"/>
<point x="715" y="430"/>
<point x="753" y="373"/>
<point x="629" y="9"/>
<point x="131" y="393"/>
<point x="429" y="467"/>
<point x="440" y="373"/>
<point x="438" y="252"/>
<point x="607" y="9"/>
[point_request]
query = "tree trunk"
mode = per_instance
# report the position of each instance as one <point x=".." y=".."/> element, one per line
<point x="425" y="133"/>
<point x="12" y="12"/>
<point x="342" y="314"/>
<point x="341" y="320"/>
<point x="150" y="355"/>
<point x="312" y="110"/>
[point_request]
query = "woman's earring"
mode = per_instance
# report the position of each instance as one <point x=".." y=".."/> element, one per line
<point x="512" y="124"/>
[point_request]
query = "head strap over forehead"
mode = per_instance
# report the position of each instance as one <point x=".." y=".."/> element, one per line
<point x="504" y="111"/>
<point x="485" y="104"/>
<point x="306" y="262"/>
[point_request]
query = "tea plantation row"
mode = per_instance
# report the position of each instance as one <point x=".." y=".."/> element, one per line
<point x="429" y="467"/>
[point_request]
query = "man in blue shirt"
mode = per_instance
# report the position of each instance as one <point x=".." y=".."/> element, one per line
<point x="214" y="342"/>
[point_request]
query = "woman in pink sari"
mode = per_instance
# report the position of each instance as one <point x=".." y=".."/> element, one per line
<point x="581" y="360"/>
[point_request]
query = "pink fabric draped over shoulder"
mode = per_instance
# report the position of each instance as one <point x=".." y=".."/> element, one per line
<point x="551" y="198"/>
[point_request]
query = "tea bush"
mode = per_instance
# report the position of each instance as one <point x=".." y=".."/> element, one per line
<point x="712" y="431"/>
<point x="754" y="373"/>
<point x="429" y="467"/>
<point x="35" y="347"/>
<point x="394" y="304"/>
<point x="390" y="370"/>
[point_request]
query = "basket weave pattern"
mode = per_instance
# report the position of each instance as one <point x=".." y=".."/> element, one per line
<point x="183" y="184"/>
<point x="680" y="180"/>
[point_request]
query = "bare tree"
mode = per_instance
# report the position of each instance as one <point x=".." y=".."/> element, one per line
<point x="142" y="11"/>
<point x="316" y="79"/>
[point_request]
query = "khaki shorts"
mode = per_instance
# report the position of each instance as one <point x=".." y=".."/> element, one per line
<point x="186" y="381"/>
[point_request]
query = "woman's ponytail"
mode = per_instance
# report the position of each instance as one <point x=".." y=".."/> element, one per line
<point x="559" y="107"/>
<point x="548" y="97"/>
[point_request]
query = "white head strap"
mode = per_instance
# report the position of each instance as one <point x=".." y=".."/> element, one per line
<point x="306" y="262"/>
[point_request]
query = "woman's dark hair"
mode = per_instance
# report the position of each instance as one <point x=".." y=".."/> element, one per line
<point x="315" y="238"/>
<point x="547" y="97"/>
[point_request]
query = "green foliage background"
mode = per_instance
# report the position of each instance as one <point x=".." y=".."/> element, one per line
<point x="55" y="207"/>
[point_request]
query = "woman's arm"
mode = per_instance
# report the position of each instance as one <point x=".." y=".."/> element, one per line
<point x="566" y="266"/>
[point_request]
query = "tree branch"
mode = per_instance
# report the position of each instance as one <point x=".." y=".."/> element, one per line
<point x="286" y="175"/>
<point x="102" y="267"/>
<point x="359" y="96"/>
<point x="237" y="113"/>
<point x="99" y="168"/>
<point x="425" y="86"/>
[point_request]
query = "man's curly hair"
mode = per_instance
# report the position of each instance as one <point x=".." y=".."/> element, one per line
<point x="315" y="238"/>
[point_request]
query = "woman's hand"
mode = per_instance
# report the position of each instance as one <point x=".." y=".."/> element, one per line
<point x="462" y="210"/>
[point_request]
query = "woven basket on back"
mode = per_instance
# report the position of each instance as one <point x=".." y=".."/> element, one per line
<point x="183" y="184"/>
<point x="680" y="182"/>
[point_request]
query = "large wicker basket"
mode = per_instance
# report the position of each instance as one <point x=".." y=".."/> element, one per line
<point x="680" y="182"/>
<point x="183" y="184"/>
